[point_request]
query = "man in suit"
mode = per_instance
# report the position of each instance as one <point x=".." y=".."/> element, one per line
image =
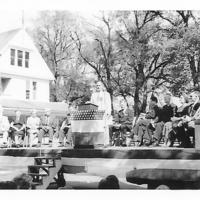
<point x="123" y="120"/>
<point x="47" y="126"/>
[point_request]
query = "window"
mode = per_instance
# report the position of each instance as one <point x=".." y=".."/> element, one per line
<point x="19" y="58"/>
<point x="34" y="89"/>
<point x="28" y="89"/>
<point x="27" y="59"/>
<point x="27" y="94"/>
<point x="34" y="85"/>
<point x="12" y="56"/>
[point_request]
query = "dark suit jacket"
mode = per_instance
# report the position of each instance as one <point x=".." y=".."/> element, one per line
<point x="18" y="123"/>
<point x="125" y="117"/>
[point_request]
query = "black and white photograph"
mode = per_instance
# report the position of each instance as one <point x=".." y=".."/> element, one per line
<point x="100" y="99"/>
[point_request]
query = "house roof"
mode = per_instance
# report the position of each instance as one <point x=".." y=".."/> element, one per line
<point x="19" y="37"/>
<point x="26" y="106"/>
<point x="5" y="37"/>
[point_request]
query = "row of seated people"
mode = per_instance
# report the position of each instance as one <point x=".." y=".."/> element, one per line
<point x="15" y="130"/>
<point x="168" y="123"/>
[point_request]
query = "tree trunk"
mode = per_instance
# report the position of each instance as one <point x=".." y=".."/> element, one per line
<point x="136" y="101"/>
<point x="144" y="101"/>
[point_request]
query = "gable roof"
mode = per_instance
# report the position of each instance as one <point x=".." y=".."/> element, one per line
<point x="19" y="37"/>
<point x="5" y="37"/>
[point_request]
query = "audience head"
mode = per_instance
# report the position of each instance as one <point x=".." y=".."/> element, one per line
<point x="23" y="181"/>
<point x="110" y="182"/>
<point x="167" y="98"/>
<point x="47" y="111"/>
<point x="7" y="185"/>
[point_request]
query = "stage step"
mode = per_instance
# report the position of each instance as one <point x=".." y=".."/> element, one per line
<point x="40" y="166"/>
<point x="49" y="158"/>
<point x="35" y="184"/>
<point x="36" y="174"/>
<point x="49" y="165"/>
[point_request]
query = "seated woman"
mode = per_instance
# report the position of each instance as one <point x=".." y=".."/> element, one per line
<point x="4" y="127"/>
<point x="177" y="127"/>
<point x="194" y="113"/>
<point x="33" y="123"/>
<point x="17" y="128"/>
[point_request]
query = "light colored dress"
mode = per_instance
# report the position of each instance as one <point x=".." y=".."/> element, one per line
<point x="4" y="127"/>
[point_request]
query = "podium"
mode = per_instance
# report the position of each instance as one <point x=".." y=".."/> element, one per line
<point x="88" y="126"/>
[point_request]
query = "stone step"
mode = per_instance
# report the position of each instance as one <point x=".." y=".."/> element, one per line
<point x="41" y="166"/>
<point x="49" y="158"/>
<point x="37" y="174"/>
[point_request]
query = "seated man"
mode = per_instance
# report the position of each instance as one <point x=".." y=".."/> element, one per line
<point x="4" y="127"/>
<point x="123" y="121"/>
<point x="17" y="128"/>
<point x="33" y="123"/>
<point x="193" y="114"/>
<point x="168" y="111"/>
<point x="64" y="130"/>
<point x="47" y="126"/>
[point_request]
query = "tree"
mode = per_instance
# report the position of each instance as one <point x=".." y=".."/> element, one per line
<point x="145" y="51"/>
<point x="184" y="28"/>
<point x="52" y="36"/>
<point x="99" y="53"/>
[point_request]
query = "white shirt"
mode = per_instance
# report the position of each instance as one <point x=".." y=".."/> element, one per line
<point x="33" y="122"/>
<point x="4" y="124"/>
<point x="102" y="100"/>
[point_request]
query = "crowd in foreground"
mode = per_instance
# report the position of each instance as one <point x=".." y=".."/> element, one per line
<point x="25" y="182"/>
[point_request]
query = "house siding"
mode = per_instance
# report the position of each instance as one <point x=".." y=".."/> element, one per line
<point x="38" y="71"/>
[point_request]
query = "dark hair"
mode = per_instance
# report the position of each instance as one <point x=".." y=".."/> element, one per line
<point x="153" y="98"/>
<point x="113" y="180"/>
<point x="103" y="184"/>
<point x="23" y="181"/>
<point x="110" y="182"/>
<point x="8" y="185"/>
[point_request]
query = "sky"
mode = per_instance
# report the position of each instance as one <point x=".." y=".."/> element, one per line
<point x="14" y="18"/>
<point x="11" y="19"/>
<point x="11" y="10"/>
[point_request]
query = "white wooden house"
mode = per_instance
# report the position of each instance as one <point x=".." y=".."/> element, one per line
<point x="24" y="75"/>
